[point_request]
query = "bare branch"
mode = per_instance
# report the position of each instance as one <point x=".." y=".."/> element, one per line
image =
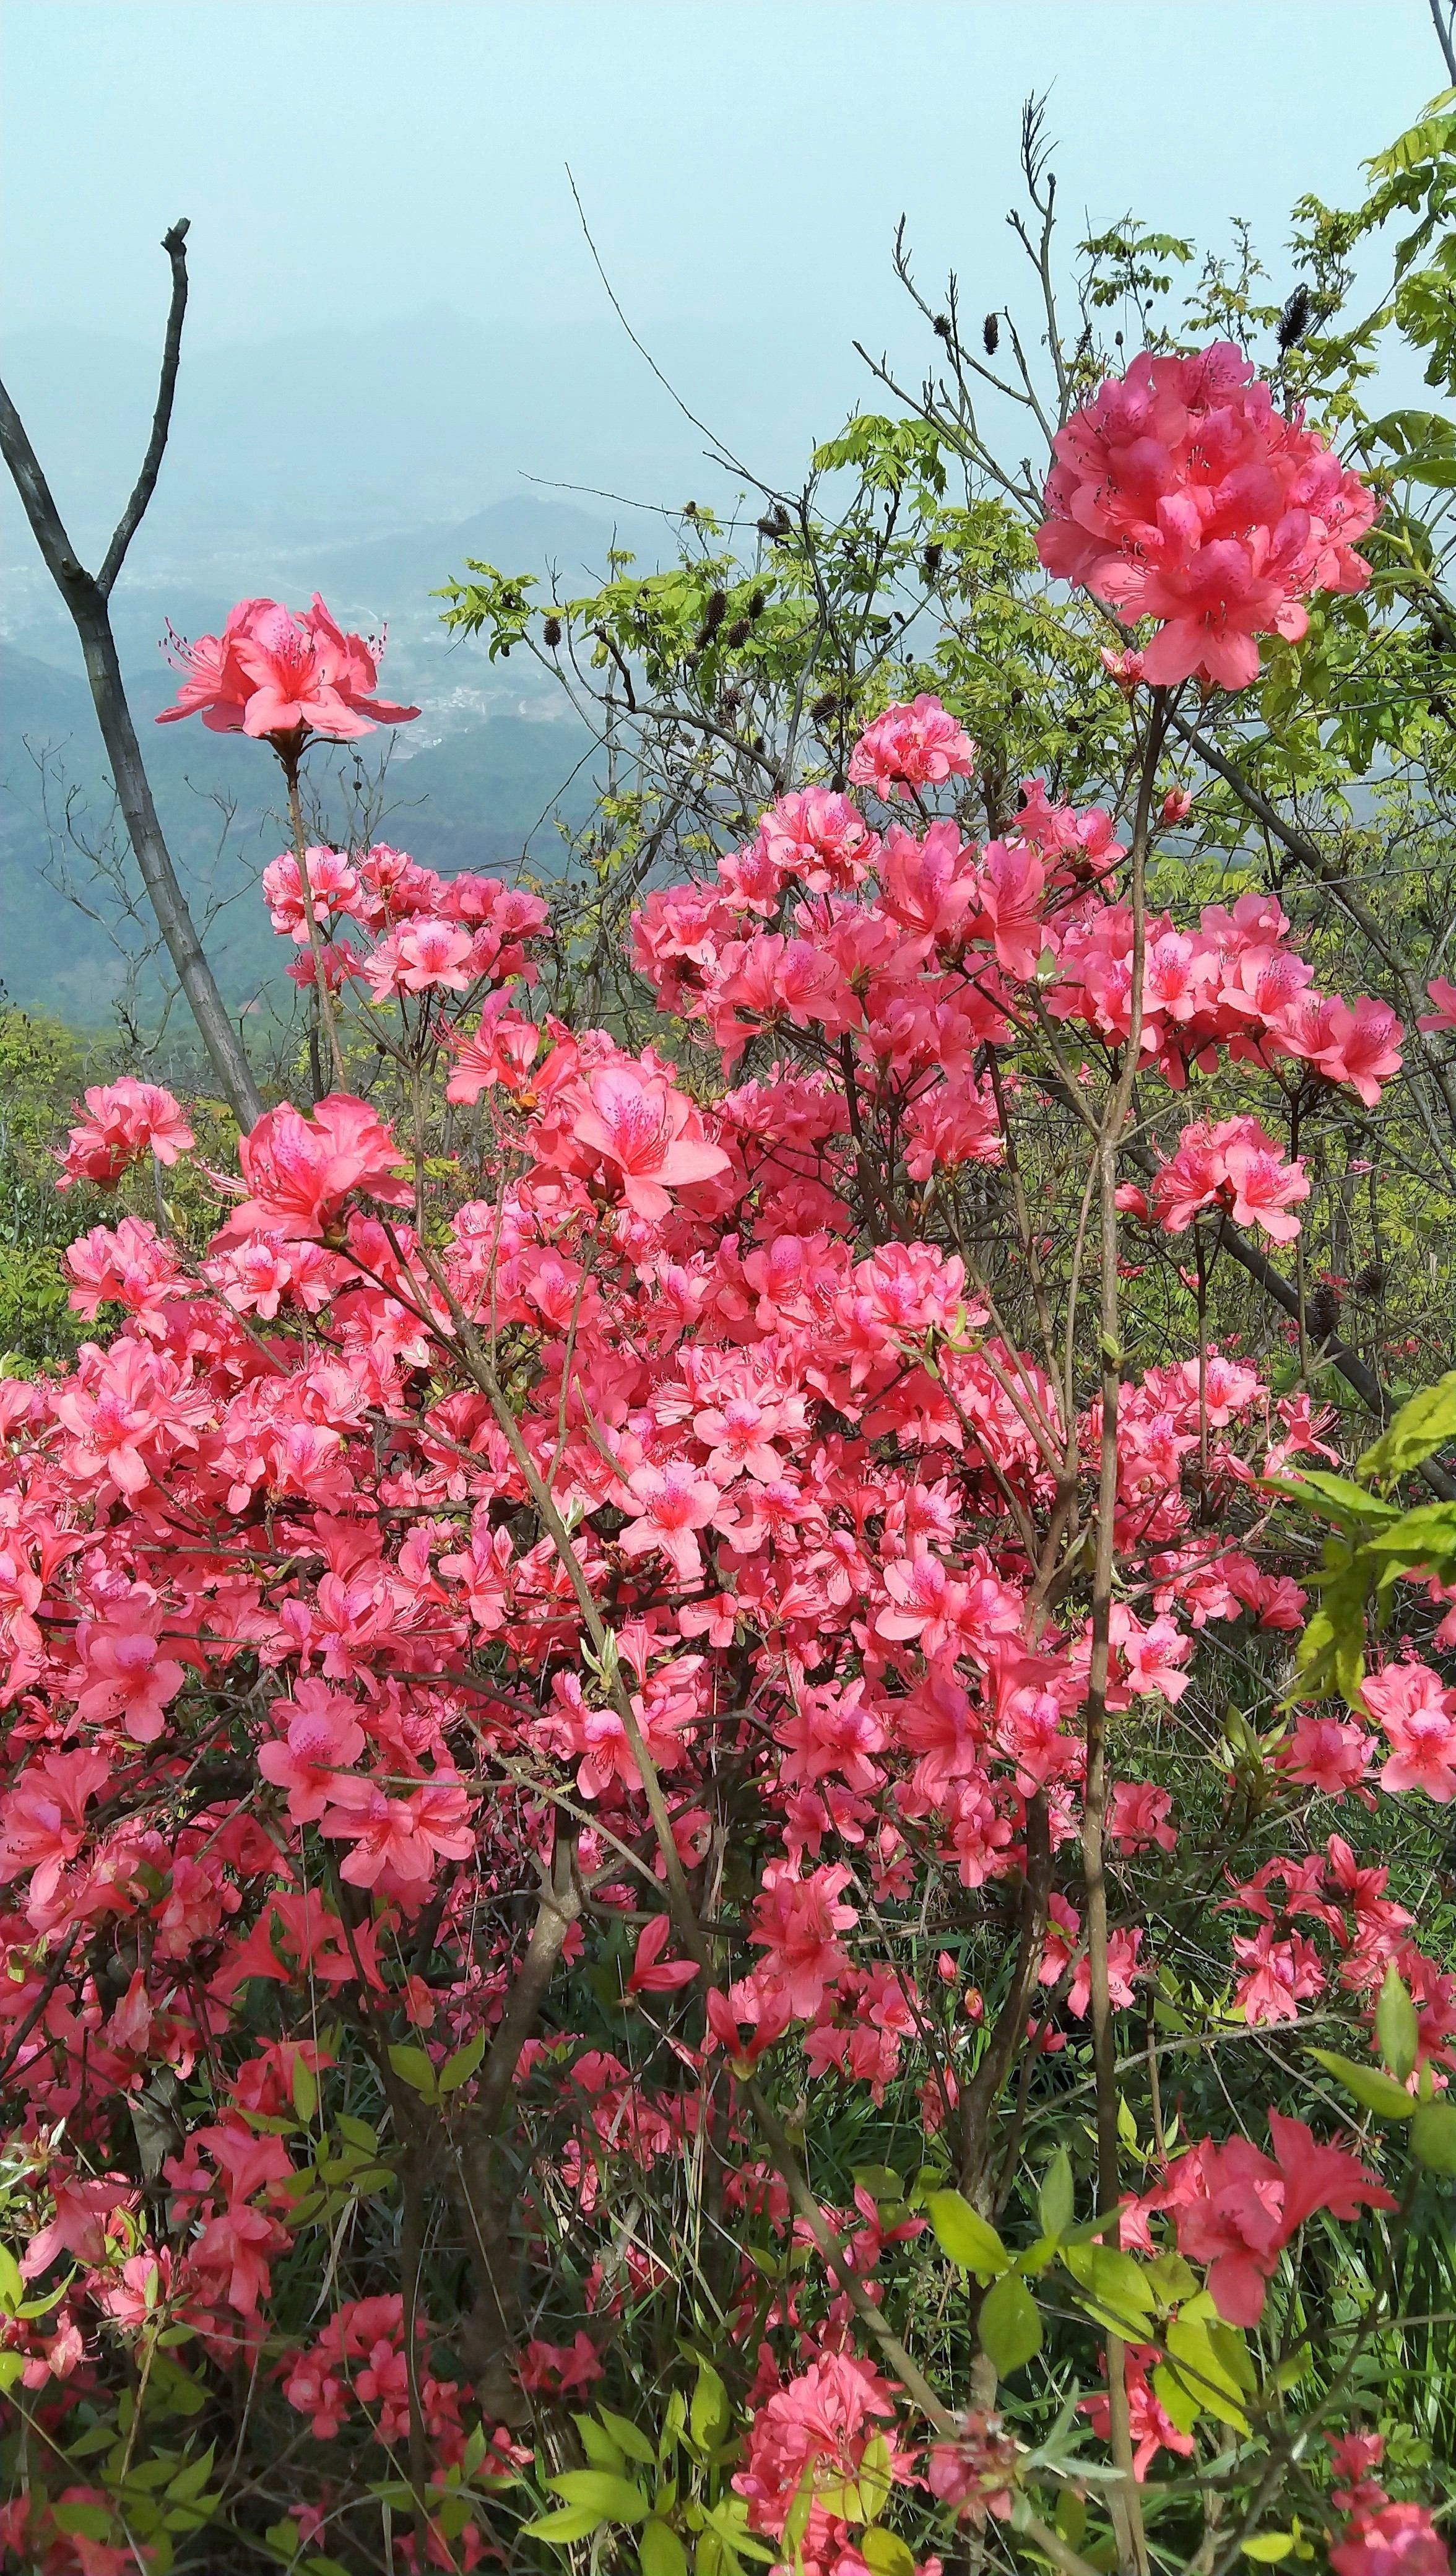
<point x="174" y="243"/>
<point x="86" y="598"/>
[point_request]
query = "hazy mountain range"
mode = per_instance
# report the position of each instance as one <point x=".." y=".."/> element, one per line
<point x="338" y="465"/>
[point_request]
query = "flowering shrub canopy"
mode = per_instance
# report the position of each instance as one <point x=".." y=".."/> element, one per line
<point x="545" y="1642"/>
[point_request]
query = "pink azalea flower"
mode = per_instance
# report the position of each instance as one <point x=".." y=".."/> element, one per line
<point x="398" y="1840"/>
<point x="1138" y="1817"/>
<point x="322" y="1737"/>
<point x="277" y="671"/>
<point x="647" y="1135"/>
<point x="673" y="1504"/>
<point x="127" y="1118"/>
<point x="43" y="1821"/>
<point x="795" y="1922"/>
<point x="914" y="746"/>
<point x="1444" y="997"/>
<point x="301" y="1170"/>
<point x="1179" y="493"/>
<point x="1234" y="2209"/>
<point x="1397" y="2540"/>
<point x="813" y="2434"/>
<point x="1152" y="2428"/>
<point x="1418" y="1719"/>
<point x="1233" y="1165"/>
<point x="975" y="2472"/>
<point x="651" y="1973"/>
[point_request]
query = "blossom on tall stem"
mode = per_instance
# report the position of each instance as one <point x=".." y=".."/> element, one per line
<point x="284" y="672"/>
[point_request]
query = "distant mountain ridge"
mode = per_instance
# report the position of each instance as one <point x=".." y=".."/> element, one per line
<point x="366" y="465"/>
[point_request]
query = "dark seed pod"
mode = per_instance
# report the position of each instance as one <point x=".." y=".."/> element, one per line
<point x="690" y="509"/>
<point x="1294" y="320"/>
<point x="823" y="708"/>
<point x="930" y="561"/>
<point x="942" y="327"/>
<point x="756" y="603"/>
<point x="991" y="334"/>
<point x="1322" y="1314"/>
<point x="715" y="611"/>
<point x="1369" y="1281"/>
<point x="551" y="632"/>
<point x="737" y="634"/>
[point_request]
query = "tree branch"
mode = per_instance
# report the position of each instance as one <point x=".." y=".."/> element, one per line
<point x="86" y="598"/>
<point x="174" y="243"/>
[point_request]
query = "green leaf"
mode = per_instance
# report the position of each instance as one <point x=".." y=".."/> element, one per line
<point x="876" y="2477"/>
<point x="190" y="2481"/>
<point x="1171" y="2279"/>
<point x="970" y="2240"/>
<point x="284" y="2538"/>
<point x="1372" y="2090"/>
<point x="12" y="2287"/>
<point x="415" y="2068"/>
<point x="1332" y="1498"/>
<point x="11" y="2366"/>
<point x="611" y="2499"/>
<point x="1396" y="2025"/>
<point x="1057" y="2201"/>
<point x="1122" y="2293"/>
<point x="457" y="2070"/>
<point x="886" y="2553"/>
<point x="711" y="2414"/>
<point x="305" y="2090"/>
<point x="629" y="2437"/>
<point x="1071" y="2516"/>
<point x="1424" y="1536"/>
<point x="85" y="2521"/>
<point x="1203" y="2370"/>
<point x="1419" y="1428"/>
<point x="1176" y="2398"/>
<point x="1268" y="2547"/>
<point x="660" y="2551"/>
<point x="1009" y="2325"/>
<point x="558" y="2528"/>
<point x="598" y="2445"/>
<point x="1433" y="2136"/>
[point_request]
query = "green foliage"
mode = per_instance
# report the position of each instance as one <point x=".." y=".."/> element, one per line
<point x="42" y="1069"/>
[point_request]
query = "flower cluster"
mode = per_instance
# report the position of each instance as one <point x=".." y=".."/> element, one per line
<point x="415" y="1588"/>
<point x="282" y="671"/>
<point x="1181" y="494"/>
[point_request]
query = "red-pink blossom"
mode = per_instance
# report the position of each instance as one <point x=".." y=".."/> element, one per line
<point x="275" y="670"/>
<point x="1418" y="1718"/>
<point x="1396" y="2540"/>
<point x="128" y="1119"/>
<point x="1179" y="493"/>
<point x="647" y="1136"/>
<point x="300" y="1171"/>
<point x="911" y="746"/>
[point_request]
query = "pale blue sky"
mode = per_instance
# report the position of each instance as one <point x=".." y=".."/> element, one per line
<point x="343" y="160"/>
<point x="381" y="185"/>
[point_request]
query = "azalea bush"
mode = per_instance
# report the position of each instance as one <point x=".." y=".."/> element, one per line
<point x="722" y="1846"/>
